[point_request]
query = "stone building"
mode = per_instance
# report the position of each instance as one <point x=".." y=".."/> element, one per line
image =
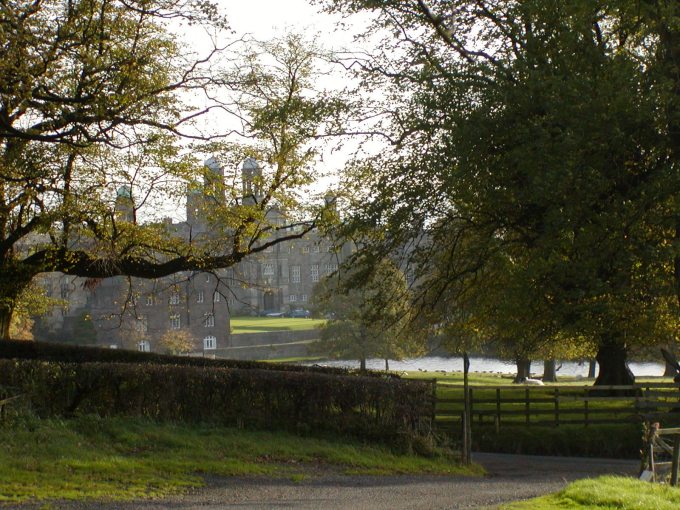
<point x="136" y="313"/>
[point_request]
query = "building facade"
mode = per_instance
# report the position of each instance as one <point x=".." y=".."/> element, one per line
<point x="138" y="314"/>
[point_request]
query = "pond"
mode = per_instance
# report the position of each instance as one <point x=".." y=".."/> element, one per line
<point x="479" y="364"/>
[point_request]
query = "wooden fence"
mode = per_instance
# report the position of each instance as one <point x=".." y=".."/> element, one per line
<point x="660" y="444"/>
<point x="556" y="405"/>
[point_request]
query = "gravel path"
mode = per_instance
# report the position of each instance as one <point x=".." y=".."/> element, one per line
<point x="511" y="477"/>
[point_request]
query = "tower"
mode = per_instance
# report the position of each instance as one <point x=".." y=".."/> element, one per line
<point x="201" y="198"/>
<point x="251" y="176"/>
<point x="125" y="207"/>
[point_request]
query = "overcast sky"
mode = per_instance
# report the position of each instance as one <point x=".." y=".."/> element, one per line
<point x="267" y="18"/>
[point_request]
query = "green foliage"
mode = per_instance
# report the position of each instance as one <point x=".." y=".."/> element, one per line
<point x="534" y="172"/>
<point x="369" y="313"/>
<point x="387" y="410"/>
<point x="100" y="134"/>
<point x="128" y="458"/>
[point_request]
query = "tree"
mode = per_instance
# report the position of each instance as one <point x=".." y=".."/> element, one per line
<point x="369" y="314"/>
<point x="177" y="341"/>
<point x="536" y="127"/>
<point x="100" y="103"/>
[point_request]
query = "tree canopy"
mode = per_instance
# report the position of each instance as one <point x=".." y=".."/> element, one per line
<point x="534" y="167"/>
<point x="369" y="314"/>
<point x="101" y="103"/>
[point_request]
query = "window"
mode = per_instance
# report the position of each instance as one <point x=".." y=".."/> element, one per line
<point x="330" y="249"/>
<point x="216" y="297"/>
<point x="331" y="268"/>
<point x="149" y="300"/>
<point x="209" y="320"/>
<point x="317" y="248"/>
<point x="207" y="278"/>
<point x="174" y="298"/>
<point x="175" y="322"/>
<point x="305" y="249"/>
<point x="199" y="296"/>
<point x="65" y="290"/>
<point x="210" y="342"/>
<point x="292" y="298"/>
<point x="314" y="273"/>
<point x="268" y="269"/>
<point x="295" y="274"/>
<point x="144" y="346"/>
<point x="303" y="297"/>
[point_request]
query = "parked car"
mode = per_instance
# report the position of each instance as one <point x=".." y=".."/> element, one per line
<point x="270" y="313"/>
<point x="300" y="313"/>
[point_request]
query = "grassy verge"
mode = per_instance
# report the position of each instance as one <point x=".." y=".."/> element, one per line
<point x="607" y="492"/>
<point x="267" y="324"/>
<point x="122" y="459"/>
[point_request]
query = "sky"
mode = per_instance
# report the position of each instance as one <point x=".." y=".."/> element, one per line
<point x="265" y="18"/>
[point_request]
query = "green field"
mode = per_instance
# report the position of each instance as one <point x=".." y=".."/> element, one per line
<point x="241" y="325"/>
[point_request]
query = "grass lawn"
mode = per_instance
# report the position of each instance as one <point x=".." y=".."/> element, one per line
<point x="607" y="492"/>
<point x="266" y="324"/>
<point x="124" y="458"/>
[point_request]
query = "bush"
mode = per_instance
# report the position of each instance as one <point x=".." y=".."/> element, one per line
<point x="15" y="349"/>
<point x="615" y="441"/>
<point x="378" y="409"/>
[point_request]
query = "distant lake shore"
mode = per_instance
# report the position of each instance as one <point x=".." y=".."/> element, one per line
<point x="489" y="365"/>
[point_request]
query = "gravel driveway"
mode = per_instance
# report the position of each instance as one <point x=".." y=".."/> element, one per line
<point x="511" y="477"/>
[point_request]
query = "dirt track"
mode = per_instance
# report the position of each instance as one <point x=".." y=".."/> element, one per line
<point x="511" y="477"/>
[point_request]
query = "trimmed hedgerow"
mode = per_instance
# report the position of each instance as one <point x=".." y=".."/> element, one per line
<point x="389" y="410"/>
<point x="16" y="349"/>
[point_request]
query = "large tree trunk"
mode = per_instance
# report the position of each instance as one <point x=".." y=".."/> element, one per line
<point x="5" y="320"/>
<point x="549" y="370"/>
<point x="362" y="364"/>
<point x="592" y="368"/>
<point x="523" y="369"/>
<point x="387" y="365"/>
<point x="669" y="370"/>
<point x="612" y="356"/>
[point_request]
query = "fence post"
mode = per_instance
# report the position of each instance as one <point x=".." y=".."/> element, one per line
<point x="676" y="459"/>
<point x="434" y="402"/>
<point x="498" y="410"/>
<point x="467" y="438"/>
<point x="526" y="404"/>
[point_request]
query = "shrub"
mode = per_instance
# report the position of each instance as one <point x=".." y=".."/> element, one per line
<point x="379" y="409"/>
<point x="14" y="349"/>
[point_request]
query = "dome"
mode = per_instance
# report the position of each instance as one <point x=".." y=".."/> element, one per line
<point x="212" y="164"/>
<point x="124" y="192"/>
<point x="250" y="164"/>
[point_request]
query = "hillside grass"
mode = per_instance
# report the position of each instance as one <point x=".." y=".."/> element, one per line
<point x="607" y="492"/>
<point x="122" y="458"/>
<point x="240" y="325"/>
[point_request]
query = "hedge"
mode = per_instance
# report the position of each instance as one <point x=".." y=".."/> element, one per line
<point x="17" y="349"/>
<point x="389" y="410"/>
